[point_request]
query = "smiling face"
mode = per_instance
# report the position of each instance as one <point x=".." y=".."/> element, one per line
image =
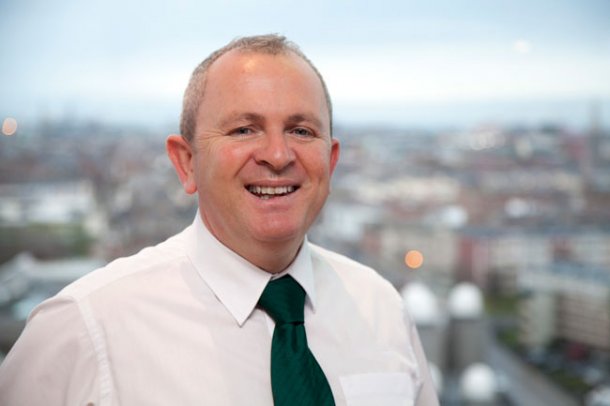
<point x="262" y="155"/>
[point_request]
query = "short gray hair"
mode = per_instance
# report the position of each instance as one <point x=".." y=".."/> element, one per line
<point x="271" y="44"/>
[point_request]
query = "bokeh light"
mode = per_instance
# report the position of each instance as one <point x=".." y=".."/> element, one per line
<point x="9" y="126"/>
<point x="414" y="259"/>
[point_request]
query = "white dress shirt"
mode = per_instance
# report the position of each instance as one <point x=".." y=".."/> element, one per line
<point x="177" y="324"/>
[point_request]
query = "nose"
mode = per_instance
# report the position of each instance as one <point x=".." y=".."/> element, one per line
<point x="275" y="151"/>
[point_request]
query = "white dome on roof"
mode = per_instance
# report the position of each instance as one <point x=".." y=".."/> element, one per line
<point x="599" y="397"/>
<point x="421" y="303"/>
<point x="465" y="301"/>
<point x="478" y="383"/>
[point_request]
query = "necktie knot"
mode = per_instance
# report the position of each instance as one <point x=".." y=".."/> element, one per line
<point x="284" y="300"/>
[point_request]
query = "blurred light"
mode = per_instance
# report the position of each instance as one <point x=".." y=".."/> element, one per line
<point x="478" y="384"/>
<point x="9" y="126"/>
<point x="465" y="301"/>
<point x="522" y="46"/>
<point x="414" y="259"/>
<point x="517" y="208"/>
<point x="422" y="304"/>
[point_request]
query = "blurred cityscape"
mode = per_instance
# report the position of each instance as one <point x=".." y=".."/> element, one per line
<point x="498" y="238"/>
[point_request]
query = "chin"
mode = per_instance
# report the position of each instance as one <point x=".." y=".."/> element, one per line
<point x="279" y="234"/>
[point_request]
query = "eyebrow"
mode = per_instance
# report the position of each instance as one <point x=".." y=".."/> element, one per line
<point x="235" y="116"/>
<point x="299" y="118"/>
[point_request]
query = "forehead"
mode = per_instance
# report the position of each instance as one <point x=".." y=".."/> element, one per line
<point x="236" y="62"/>
<point x="246" y="70"/>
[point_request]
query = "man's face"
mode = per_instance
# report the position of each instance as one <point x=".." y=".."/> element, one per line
<point x="262" y="154"/>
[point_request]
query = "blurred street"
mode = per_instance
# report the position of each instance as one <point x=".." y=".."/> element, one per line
<point x="524" y="385"/>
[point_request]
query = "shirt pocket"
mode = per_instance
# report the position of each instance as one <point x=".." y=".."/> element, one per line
<point x="379" y="389"/>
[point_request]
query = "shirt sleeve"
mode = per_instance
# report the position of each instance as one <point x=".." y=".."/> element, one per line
<point x="53" y="362"/>
<point x="427" y="394"/>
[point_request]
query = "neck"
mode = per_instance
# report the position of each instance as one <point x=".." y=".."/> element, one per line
<point x="270" y="256"/>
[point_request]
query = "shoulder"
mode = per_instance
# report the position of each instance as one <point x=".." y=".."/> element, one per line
<point x="130" y="271"/>
<point x="359" y="278"/>
<point x="347" y="287"/>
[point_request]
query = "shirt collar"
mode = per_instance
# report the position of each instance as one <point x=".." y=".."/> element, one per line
<point x="301" y="270"/>
<point x="237" y="283"/>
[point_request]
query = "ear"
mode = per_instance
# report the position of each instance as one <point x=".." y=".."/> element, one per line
<point x="334" y="154"/>
<point x="180" y="153"/>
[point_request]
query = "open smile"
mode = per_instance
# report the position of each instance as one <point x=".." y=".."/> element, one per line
<point x="270" y="192"/>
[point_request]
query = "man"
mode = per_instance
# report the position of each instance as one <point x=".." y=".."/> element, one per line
<point x="192" y="320"/>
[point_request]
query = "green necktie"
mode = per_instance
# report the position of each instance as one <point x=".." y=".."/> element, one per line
<point x="296" y="376"/>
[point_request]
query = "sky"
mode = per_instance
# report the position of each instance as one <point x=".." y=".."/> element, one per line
<point x="412" y="63"/>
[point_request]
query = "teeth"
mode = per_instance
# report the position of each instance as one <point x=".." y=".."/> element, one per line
<point x="267" y="191"/>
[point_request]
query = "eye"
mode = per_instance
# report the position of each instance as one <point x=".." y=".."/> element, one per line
<point x="302" y="132"/>
<point x="240" y="131"/>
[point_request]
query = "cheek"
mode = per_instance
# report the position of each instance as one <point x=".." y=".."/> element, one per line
<point x="317" y="163"/>
<point x="222" y="160"/>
